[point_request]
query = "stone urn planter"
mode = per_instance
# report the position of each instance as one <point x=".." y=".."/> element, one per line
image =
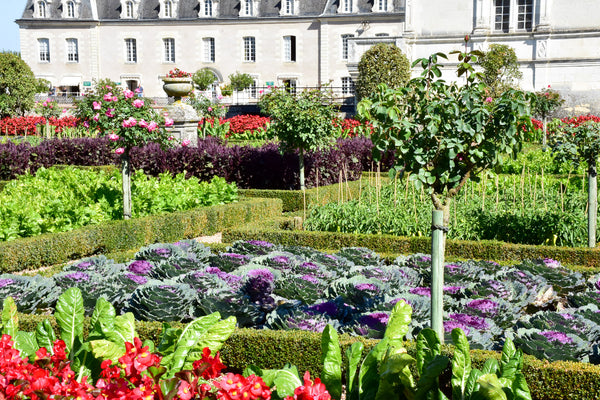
<point x="177" y="87"/>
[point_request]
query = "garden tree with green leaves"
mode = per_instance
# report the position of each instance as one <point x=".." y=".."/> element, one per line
<point x="500" y="69"/>
<point x="445" y="134"/>
<point x="203" y="78"/>
<point x="544" y="104"/>
<point x="301" y="121"/>
<point x="18" y="85"/>
<point x="382" y="63"/>
<point x="128" y="121"/>
<point x="577" y="144"/>
<point x="240" y="81"/>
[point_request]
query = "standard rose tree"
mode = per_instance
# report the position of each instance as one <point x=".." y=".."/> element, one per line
<point x="128" y="121"/>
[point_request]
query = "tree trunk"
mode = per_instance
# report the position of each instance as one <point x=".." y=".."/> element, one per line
<point x="301" y="162"/>
<point x="126" y="174"/>
<point x="437" y="273"/>
<point x="592" y="203"/>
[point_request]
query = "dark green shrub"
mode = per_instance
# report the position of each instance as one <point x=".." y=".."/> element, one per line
<point x="382" y="63"/>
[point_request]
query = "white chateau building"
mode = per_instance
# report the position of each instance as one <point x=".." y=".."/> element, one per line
<point x="72" y="43"/>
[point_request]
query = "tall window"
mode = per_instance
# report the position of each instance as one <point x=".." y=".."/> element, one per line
<point x="249" y="49"/>
<point x="44" y="47"/>
<point x="72" y="50"/>
<point x="130" y="50"/>
<point x="381" y="5"/>
<point x="347" y="85"/>
<point x="208" y="44"/>
<point x="41" y="9"/>
<point x="502" y="15"/>
<point x="289" y="48"/>
<point x="129" y="9"/>
<point x="70" y="9"/>
<point x="168" y="9"/>
<point x="524" y="14"/>
<point x="248" y="8"/>
<point x="208" y="8"/>
<point x="345" y="45"/>
<point x="289" y="7"/>
<point x="169" y="45"/>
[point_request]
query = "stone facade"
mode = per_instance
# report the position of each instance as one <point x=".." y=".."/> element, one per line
<point x="301" y="42"/>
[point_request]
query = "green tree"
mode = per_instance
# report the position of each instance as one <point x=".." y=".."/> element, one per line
<point x="444" y="135"/>
<point x="203" y="78"/>
<point x="500" y="69"/>
<point x="545" y="103"/>
<point x="382" y="63"/>
<point x="18" y="85"/>
<point x="128" y="121"/>
<point x="577" y="144"/>
<point x="301" y="121"/>
<point x="240" y="81"/>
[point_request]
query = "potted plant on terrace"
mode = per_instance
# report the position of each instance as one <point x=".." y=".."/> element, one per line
<point x="178" y="84"/>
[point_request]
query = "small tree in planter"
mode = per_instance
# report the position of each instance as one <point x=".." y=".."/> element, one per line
<point x="577" y="144"/>
<point x="203" y="78"/>
<point x="300" y="121"/>
<point x="444" y="135"/>
<point x="545" y="103"/>
<point x="127" y="121"/>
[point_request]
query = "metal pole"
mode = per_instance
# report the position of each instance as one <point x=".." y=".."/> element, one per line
<point x="437" y="273"/>
<point x="592" y="204"/>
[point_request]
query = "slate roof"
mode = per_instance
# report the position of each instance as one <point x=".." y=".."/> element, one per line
<point x="188" y="9"/>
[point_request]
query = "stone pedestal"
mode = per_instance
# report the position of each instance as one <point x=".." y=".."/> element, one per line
<point x="185" y="122"/>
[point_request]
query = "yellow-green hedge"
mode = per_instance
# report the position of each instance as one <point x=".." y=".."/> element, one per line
<point x="273" y="349"/>
<point x="484" y="249"/>
<point x="55" y="248"/>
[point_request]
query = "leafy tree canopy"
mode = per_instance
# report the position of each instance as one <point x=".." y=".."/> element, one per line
<point x="18" y="85"/>
<point x="382" y="63"/>
<point x="500" y="69"/>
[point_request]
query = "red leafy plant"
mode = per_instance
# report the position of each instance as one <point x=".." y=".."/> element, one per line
<point x="137" y="375"/>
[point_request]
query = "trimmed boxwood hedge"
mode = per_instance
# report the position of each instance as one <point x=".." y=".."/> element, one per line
<point x="55" y="248"/>
<point x="559" y="380"/>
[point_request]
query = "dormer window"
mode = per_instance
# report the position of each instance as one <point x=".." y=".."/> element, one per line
<point x="208" y="8"/>
<point x="129" y="8"/>
<point x="288" y="7"/>
<point x="249" y="8"/>
<point x="346" y="6"/>
<point x="382" y="6"/>
<point x="168" y="8"/>
<point x="70" y="8"/>
<point x="42" y="9"/>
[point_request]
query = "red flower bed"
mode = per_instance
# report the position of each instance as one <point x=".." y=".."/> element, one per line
<point x="27" y="125"/>
<point x="576" y="121"/>
<point x="136" y="376"/>
<point x="350" y="127"/>
<point x="244" y="123"/>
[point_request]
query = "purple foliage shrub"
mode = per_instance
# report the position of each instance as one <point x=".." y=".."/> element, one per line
<point x="257" y="168"/>
<point x="14" y="159"/>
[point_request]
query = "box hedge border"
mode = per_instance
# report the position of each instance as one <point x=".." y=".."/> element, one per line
<point x="560" y="380"/>
<point x="278" y="230"/>
<point x="56" y="248"/>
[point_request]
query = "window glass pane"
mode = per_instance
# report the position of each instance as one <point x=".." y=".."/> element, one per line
<point x="44" y="47"/>
<point x="169" y="45"/>
<point x="72" y="50"/>
<point x="249" y="49"/>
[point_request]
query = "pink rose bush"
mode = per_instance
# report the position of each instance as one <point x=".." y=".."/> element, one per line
<point x="115" y="111"/>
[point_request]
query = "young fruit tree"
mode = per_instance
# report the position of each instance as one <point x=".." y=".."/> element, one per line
<point x="302" y="121"/>
<point x="577" y="144"/>
<point x="445" y="135"/>
<point x="127" y="121"/>
<point x="544" y="104"/>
